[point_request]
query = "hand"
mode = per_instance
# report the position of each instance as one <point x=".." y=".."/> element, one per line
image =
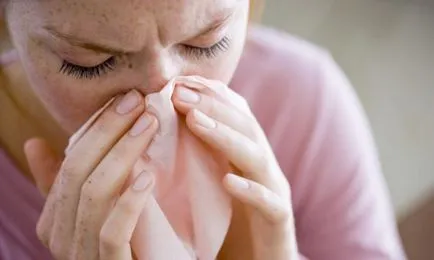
<point x="89" y="214"/>
<point x="228" y="126"/>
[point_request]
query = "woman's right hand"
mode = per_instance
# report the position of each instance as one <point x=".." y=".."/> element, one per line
<point x="87" y="214"/>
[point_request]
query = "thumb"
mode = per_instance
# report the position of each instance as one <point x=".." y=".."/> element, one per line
<point x="43" y="163"/>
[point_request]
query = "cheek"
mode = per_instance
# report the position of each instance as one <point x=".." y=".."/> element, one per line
<point x="223" y="67"/>
<point x="69" y="101"/>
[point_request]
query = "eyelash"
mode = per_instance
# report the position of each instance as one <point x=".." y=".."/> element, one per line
<point x="81" y="72"/>
<point x="208" y="52"/>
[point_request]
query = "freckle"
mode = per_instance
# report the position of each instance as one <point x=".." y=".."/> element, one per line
<point x="105" y="17"/>
<point x="130" y="65"/>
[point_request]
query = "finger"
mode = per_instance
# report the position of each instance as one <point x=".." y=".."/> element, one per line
<point x="105" y="183"/>
<point x="117" y="231"/>
<point x="186" y="99"/>
<point x="43" y="163"/>
<point x="270" y="216"/>
<point x="216" y="89"/>
<point x="88" y="124"/>
<point x="106" y="130"/>
<point x="84" y="157"/>
<point x="258" y="197"/>
<point x="246" y="155"/>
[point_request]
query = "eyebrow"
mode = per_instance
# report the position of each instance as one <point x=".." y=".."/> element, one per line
<point x="215" y="24"/>
<point x="85" y="44"/>
<point x="102" y="48"/>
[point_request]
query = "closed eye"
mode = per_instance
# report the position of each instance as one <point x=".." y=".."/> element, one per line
<point x="208" y="52"/>
<point x="81" y="72"/>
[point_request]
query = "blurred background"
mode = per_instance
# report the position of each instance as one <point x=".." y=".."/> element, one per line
<point x="386" y="47"/>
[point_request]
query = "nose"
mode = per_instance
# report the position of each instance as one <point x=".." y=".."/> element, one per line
<point x="158" y="69"/>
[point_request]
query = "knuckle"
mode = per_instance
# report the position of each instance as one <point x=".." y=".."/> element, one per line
<point x="101" y="126"/>
<point x="280" y="212"/>
<point x="87" y="189"/>
<point x="58" y="250"/>
<point x="262" y="193"/>
<point x="247" y="126"/>
<point x="90" y="194"/>
<point x="212" y="107"/>
<point x="281" y="215"/>
<point x="208" y="105"/>
<point x="43" y="232"/>
<point x="128" y="208"/>
<point x="68" y="171"/>
<point x="229" y="142"/>
<point x="216" y="85"/>
<point x="108" y="239"/>
<point x="119" y="152"/>
<point x="68" y="166"/>
<point x="243" y="103"/>
<point x="260" y="159"/>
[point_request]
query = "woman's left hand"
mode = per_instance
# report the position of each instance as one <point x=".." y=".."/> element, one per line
<point x="258" y="182"/>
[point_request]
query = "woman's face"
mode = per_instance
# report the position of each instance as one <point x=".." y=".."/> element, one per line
<point x="80" y="53"/>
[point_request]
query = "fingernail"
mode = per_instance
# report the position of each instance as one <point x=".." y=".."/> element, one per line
<point x="141" y="125"/>
<point x="142" y="182"/>
<point x="204" y="120"/>
<point x="187" y="95"/>
<point x="238" y="182"/>
<point x="128" y="103"/>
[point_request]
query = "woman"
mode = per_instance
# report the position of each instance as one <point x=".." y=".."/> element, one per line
<point x="78" y="54"/>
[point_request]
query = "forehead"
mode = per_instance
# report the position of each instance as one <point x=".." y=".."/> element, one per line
<point x="132" y="19"/>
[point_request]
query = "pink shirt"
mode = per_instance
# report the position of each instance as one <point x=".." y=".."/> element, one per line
<point x="320" y="136"/>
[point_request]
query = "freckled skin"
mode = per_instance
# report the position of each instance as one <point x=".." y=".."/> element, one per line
<point x="155" y="29"/>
